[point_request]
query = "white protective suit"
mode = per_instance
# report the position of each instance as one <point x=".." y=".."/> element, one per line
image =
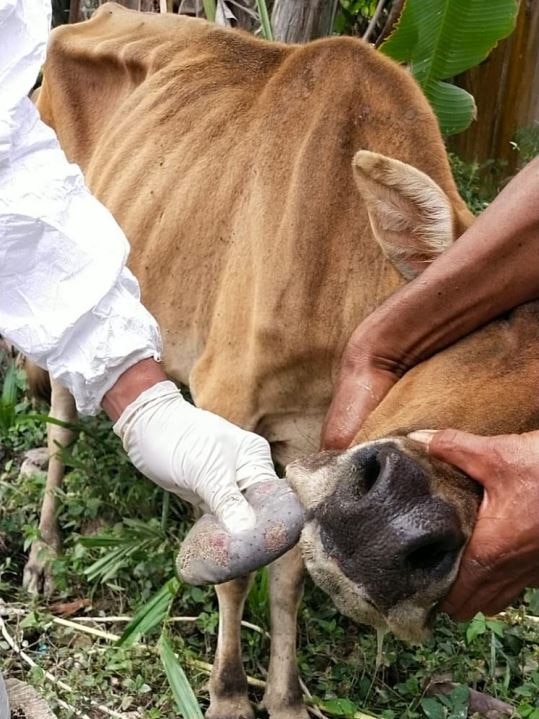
<point x="69" y="303"/>
<point x="66" y="298"/>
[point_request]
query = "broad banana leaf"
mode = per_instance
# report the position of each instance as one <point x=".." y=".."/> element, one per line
<point x="439" y="39"/>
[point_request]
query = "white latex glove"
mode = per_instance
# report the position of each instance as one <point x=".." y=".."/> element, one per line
<point x="195" y="454"/>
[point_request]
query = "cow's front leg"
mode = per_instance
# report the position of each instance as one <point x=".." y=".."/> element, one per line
<point x="283" y="696"/>
<point x="37" y="576"/>
<point x="228" y="682"/>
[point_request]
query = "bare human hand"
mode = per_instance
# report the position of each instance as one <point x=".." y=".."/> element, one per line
<point x="433" y="311"/>
<point x="365" y="377"/>
<point x="502" y="556"/>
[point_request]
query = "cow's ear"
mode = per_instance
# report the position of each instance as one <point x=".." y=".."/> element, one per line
<point x="410" y="215"/>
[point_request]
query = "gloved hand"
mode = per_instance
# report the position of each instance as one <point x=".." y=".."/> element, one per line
<point x="195" y="454"/>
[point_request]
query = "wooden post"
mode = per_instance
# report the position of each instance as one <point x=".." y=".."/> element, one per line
<point x="74" y="11"/>
<point x="506" y="91"/>
<point x="302" y="20"/>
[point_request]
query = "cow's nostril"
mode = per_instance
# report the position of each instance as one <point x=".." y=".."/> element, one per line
<point x="427" y="556"/>
<point x="371" y="472"/>
<point x="434" y="554"/>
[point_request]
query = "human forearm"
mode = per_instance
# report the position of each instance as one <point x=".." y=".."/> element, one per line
<point x="130" y="385"/>
<point x="493" y="267"/>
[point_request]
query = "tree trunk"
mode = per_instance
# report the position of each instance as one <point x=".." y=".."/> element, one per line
<point x="60" y="12"/>
<point x="302" y="20"/>
<point x="83" y="9"/>
<point x="25" y="701"/>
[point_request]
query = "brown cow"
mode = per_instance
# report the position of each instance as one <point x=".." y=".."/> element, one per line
<point x="228" y="162"/>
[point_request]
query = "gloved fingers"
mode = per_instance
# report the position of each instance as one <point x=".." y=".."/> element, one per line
<point x="228" y="504"/>
<point x="254" y="463"/>
<point x="185" y="494"/>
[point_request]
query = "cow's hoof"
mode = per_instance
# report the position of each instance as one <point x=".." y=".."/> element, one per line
<point x="35" y="461"/>
<point x="297" y="711"/>
<point x="37" y="577"/>
<point x="281" y="707"/>
<point x="230" y="708"/>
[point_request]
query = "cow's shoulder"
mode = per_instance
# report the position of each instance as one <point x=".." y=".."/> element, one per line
<point x="92" y="67"/>
<point x="117" y="34"/>
<point x="149" y="41"/>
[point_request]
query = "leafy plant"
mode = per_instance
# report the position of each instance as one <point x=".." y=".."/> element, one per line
<point x="133" y="540"/>
<point x="440" y="39"/>
<point x="258" y="597"/>
<point x="210" y="8"/>
<point x="526" y="142"/>
<point x="353" y="16"/>
<point x="184" y="696"/>
<point x="261" y="14"/>
<point x="265" y="24"/>
<point x="452" y="706"/>
<point x="151" y="614"/>
<point x="8" y="399"/>
<point x="478" y="183"/>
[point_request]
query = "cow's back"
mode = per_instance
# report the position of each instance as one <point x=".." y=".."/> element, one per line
<point x="227" y="161"/>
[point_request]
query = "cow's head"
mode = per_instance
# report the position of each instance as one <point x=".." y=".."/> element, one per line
<point x="386" y="524"/>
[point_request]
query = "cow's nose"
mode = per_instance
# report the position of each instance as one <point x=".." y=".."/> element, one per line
<point x="429" y="551"/>
<point x="387" y="524"/>
<point x="423" y="529"/>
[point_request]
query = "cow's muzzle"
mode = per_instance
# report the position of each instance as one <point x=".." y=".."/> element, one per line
<point x="378" y="528"/>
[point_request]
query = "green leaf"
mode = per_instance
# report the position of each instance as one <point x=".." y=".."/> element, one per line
<point x="497" y="627"/>
<point x="339" y="707"/>
<point x="31" y="620"/>
<point x="151" y="614"/>
<point x="460" y="698"/>
<point x="440" y="39"/>
<point x="265" y="23"/>
<point x="454" y="107"/>
<point x="75" y="426"/>
<point x="8" y="399"/>
<point x="182" y="691"/>
<point x="100" y="540"/>
<point x="476" y="627"/>
<point x="108" y="566"/>
<point x="9" y="387"/>
<point x="532" y="598"/>
<point x="209" y="9"/>
<point x="433" y="709"/>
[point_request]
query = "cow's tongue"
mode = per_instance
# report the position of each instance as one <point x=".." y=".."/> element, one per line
<point x="212" y="555"/>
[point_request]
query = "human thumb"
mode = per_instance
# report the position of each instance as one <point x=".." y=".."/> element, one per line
<point x="468" y="452"/>
<point x="232" y="510"/>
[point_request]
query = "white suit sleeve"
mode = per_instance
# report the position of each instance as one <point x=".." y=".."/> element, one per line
<point x="66" y="298"/>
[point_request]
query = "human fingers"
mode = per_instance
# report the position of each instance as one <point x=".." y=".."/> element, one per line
<point x="254" y="462"/>
<point x="471" y="453"/>
<point x="494" y="568"/>
<point x="224" y="499"/>
<point x="356" y="395"/>
<point x="492" y="594"/>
